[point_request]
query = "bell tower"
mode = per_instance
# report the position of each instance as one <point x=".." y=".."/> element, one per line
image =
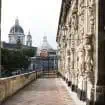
<point x="29" y="39"/>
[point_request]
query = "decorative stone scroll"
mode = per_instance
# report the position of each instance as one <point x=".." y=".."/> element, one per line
<point x="91" y="14"/>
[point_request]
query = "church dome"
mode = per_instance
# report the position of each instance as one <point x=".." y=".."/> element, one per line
<point x="16" y="28"/>
<point x="46" y="45"/>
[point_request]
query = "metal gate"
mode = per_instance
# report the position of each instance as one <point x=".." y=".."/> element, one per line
<point x="49" y="65"/>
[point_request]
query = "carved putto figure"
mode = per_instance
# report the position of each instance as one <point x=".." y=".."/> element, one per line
<point x="88" y="53"/>
<point x="88" y="58"/>
<point x="80" y="59"/>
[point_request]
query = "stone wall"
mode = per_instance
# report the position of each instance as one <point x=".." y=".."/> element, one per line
<point x="76" y="38"/>
<point x="10" y="85"/>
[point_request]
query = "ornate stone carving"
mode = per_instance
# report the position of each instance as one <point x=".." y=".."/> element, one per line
<point x="88" y="58"/>
<point x="81" y="31"/>
<point x="80" y="59"/>
<point x="91" y="2"/>
<point x="74" y="22"/>
<point x="72" y="59"/>
<point x="80" y="7"/>
<point x="88" y="53"/>
<point x="91" y="14"/>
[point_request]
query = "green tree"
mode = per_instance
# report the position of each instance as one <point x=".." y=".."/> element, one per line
<point x="19" y="45"/>
<point x="13" y="59"/>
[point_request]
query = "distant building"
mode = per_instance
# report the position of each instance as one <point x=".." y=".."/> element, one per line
<point x="29" y="39"/>
<point x="46" y="49"/>
<point x="46" y="58"/>
<point x="17" y="38"/>
<point x="16" y="35"/>
<point x="11" y="46"/>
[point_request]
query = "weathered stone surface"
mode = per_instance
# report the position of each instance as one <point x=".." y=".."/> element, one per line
<point x="10" y="85"/>
<point x="42" y="92"/>
<point x="80" y="40"/>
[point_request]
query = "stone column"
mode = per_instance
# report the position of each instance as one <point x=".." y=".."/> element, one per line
<point x="88" y="67"/>
<point x="69" y="57"/>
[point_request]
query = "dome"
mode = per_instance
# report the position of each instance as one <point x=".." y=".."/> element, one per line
<point x="45" y="44"/>
<point x="17" y="28"/>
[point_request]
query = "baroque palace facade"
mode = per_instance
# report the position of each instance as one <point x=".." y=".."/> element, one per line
<point x="80" y="38"/>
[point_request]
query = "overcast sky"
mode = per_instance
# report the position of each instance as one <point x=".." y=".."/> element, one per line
<point x="40" y="16"/>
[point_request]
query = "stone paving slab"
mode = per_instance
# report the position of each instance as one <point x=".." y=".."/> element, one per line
<point x="47" y="91"/>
